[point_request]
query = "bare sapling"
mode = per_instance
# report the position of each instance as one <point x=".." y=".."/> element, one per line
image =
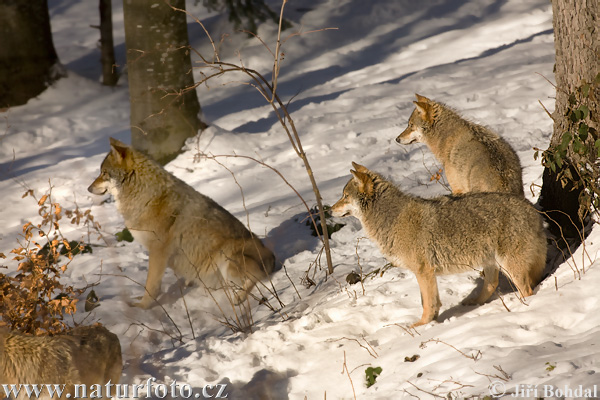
<point x="268" y="90"/>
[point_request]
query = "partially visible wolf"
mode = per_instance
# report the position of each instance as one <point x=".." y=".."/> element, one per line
<point x="448" y="234"/>
<point x="181" y="228"/>
<point x="89" y="355"/>
<point x="475" y="159"/>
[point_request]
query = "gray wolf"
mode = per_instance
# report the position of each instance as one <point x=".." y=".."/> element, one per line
<point x="181" y="228"/>
<point x="89" y="355"/>
<point x="448" y="234"/>
<point x="474" y="158"/>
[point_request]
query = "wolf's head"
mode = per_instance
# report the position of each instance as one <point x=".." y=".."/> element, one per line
<point x="359" y="190"/>
<point x="420" y="121"/>
<point x="114" y="170"/>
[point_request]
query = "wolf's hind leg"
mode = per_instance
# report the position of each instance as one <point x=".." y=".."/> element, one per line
<point x="490" y="283"/>
<point x="525" y="279"/>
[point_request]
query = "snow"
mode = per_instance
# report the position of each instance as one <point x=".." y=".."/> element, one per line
<point x="351" y="93"/>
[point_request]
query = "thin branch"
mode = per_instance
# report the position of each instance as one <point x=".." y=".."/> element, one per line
<point x="345" y="369"/>
<point x="277" y="61"/>
<point x="476" y="356"/>
<point x="372" y="353"/>
<point x="215" y="156"/>
<point x="300" y="33"/>
<point x="545" y="109"/>
<point x="215" y="52"/>
<point x="259" y="39"/>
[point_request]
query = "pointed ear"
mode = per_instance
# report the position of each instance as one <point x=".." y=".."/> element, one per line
<point x="116" y="142"/>
<point x="422" y="99"/>
<point x="425" y="111"/>
<point x="118" y="150"/>
<point x="364" y="182"/>
<point x="359" y="167"/>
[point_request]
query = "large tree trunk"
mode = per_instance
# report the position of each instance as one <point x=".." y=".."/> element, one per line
<point x="164" y="113"/>
<point x="28" y="60"/>
<point x="577" y="43"/>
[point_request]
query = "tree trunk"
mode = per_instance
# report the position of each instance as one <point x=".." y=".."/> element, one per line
<point x="164" y="106"/>
<point x="28" y="60"/>
<point x="110" y="77"/>
<point x="577" y="43"/>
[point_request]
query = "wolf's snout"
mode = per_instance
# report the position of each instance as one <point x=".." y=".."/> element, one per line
<point x="96" y="190"/>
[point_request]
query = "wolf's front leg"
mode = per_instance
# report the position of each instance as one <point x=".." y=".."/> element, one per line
<point x="156" y="269"/>
<point x="429" y="295"/>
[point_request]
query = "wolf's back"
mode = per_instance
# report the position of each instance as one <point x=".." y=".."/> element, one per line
<point x="86" y="355"/>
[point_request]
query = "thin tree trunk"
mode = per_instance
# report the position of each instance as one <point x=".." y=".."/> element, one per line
<point x="110" y="77"/>
<point x="164" y="113"/>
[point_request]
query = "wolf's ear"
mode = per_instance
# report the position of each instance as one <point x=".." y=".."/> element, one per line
<point x="359" y="167"/>
<point x="118" y="150"/>
<point x="425" y="110"/>
<point x="422" y="99"/>
<point x="364" y="182"/>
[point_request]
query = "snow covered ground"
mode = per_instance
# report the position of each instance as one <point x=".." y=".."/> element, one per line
<point x="352" y="91"/>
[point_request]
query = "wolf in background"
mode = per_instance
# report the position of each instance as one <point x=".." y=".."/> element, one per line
<point x="474" y="158"/>
<point x="448" y="234"/>
<point x="88" y="355"/>
<point x="181" y="228"/>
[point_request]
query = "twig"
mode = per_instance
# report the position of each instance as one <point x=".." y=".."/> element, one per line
<point x="215" y="156"/>
<point x="292" y="282"/>
<point x="300" y="33"/>
<point x="362" y="277"/>
<point x="405" y="329"/>
<point x="504" y="377"/>
<point x="545" y="109"/>
<point x="345" y="368"/>
<point x="371" y="352"/>
<point x="277" y="61"/>
<point x="425" y="391"/>
<point x="187" y="312"/>
<point x="215" y="52"/>
<point x="473" y="357"/>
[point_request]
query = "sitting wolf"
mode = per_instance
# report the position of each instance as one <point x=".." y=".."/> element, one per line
<point x="475" y="159"/>
<point x="180" y="227"/>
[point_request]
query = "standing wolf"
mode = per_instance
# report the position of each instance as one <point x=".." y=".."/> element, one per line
<point x="180" y="227"/>
<point x="474" y="158"/>
<point x="88" y="355"/>
<point x="448" y="234"/>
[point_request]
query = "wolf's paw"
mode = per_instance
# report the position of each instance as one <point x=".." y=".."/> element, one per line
<point x="239" y="297"/>
<point x="426" y="318"/>
<point x="145" y="303"/>
<point x="471" y="302"/>
<point x="418" y="323"/>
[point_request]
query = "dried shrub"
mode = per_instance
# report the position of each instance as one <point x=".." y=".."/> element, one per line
<point x="35" y="300"/>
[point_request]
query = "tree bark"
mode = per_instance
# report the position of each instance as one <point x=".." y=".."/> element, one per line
<point x="577" y="44"/>
<point x="164" y="106"/>
<point x="110" y="77"/>
<point x="28" y="60"/>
